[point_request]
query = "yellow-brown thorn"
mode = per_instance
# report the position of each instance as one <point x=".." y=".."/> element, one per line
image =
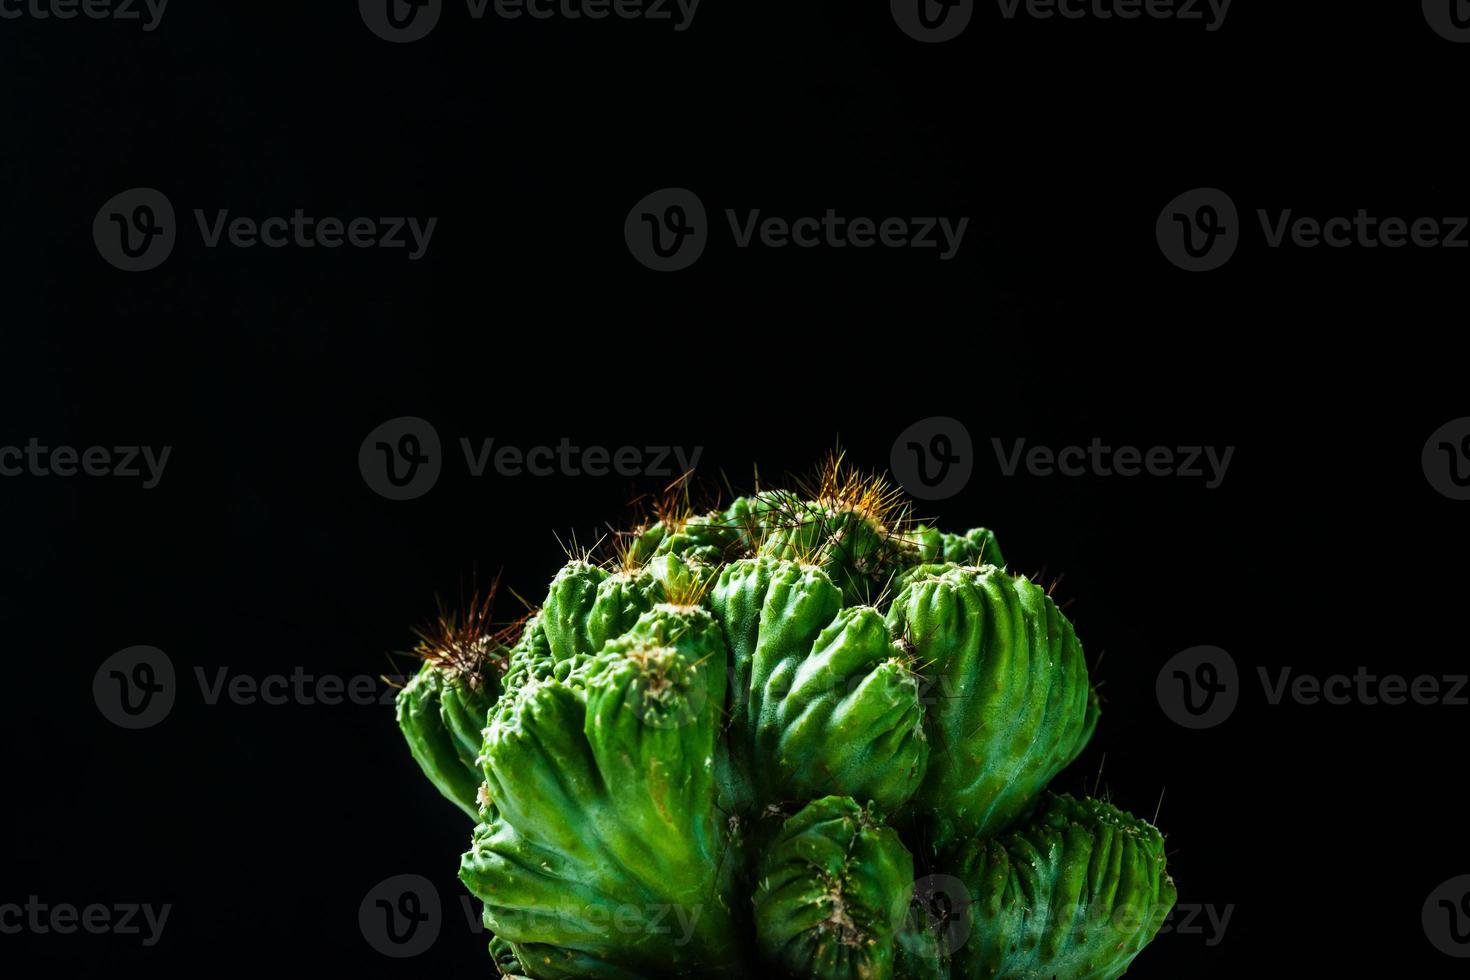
<point x="671" y="508"/>
<point x="621" y="548"/>
<point x="576" y="552"/>
<point x="689" y="591"/>
<point x="1051" y="586"/>
<point x="467" y="641"/>
<point x="840" y="486"/>
<point x="837" y="491"/>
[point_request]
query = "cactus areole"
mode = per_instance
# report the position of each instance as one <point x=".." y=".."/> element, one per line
<point x="802" y="735"/>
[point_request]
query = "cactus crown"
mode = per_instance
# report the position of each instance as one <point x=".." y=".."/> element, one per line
<point x="777" y="716"/>
<point x="467" y="643"/>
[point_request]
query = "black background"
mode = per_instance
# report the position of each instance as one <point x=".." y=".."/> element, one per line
<point x="263" y="550"/>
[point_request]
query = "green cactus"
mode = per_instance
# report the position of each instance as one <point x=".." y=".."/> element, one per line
<point x="1077" y="891"/>
<point x="734" y="749"/>
<point x="831" y="890"/>
<point x="1012" y="703"/>
<point x="442" y="708"/>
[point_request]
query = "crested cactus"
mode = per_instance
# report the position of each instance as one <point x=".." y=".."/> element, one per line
<point x="442" y="708"/>
<point x="1075" y="891"/>
<point x="734" y="748"/>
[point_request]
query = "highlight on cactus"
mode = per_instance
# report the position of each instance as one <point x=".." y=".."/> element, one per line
<point x="749" y="740"/>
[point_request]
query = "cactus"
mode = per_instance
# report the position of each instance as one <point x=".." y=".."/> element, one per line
<point x="442" y="709"/>
<point x="732" y="749"/>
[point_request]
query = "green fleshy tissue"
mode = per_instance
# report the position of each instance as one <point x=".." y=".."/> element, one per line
<point x="734" y="750"/>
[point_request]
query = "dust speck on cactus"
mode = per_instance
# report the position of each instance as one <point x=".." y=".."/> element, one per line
<point x="732" y="739"/>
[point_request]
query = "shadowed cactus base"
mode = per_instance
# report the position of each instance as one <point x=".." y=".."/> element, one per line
<point x="1077" y="891"/>
<point x="734" y="748"/>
